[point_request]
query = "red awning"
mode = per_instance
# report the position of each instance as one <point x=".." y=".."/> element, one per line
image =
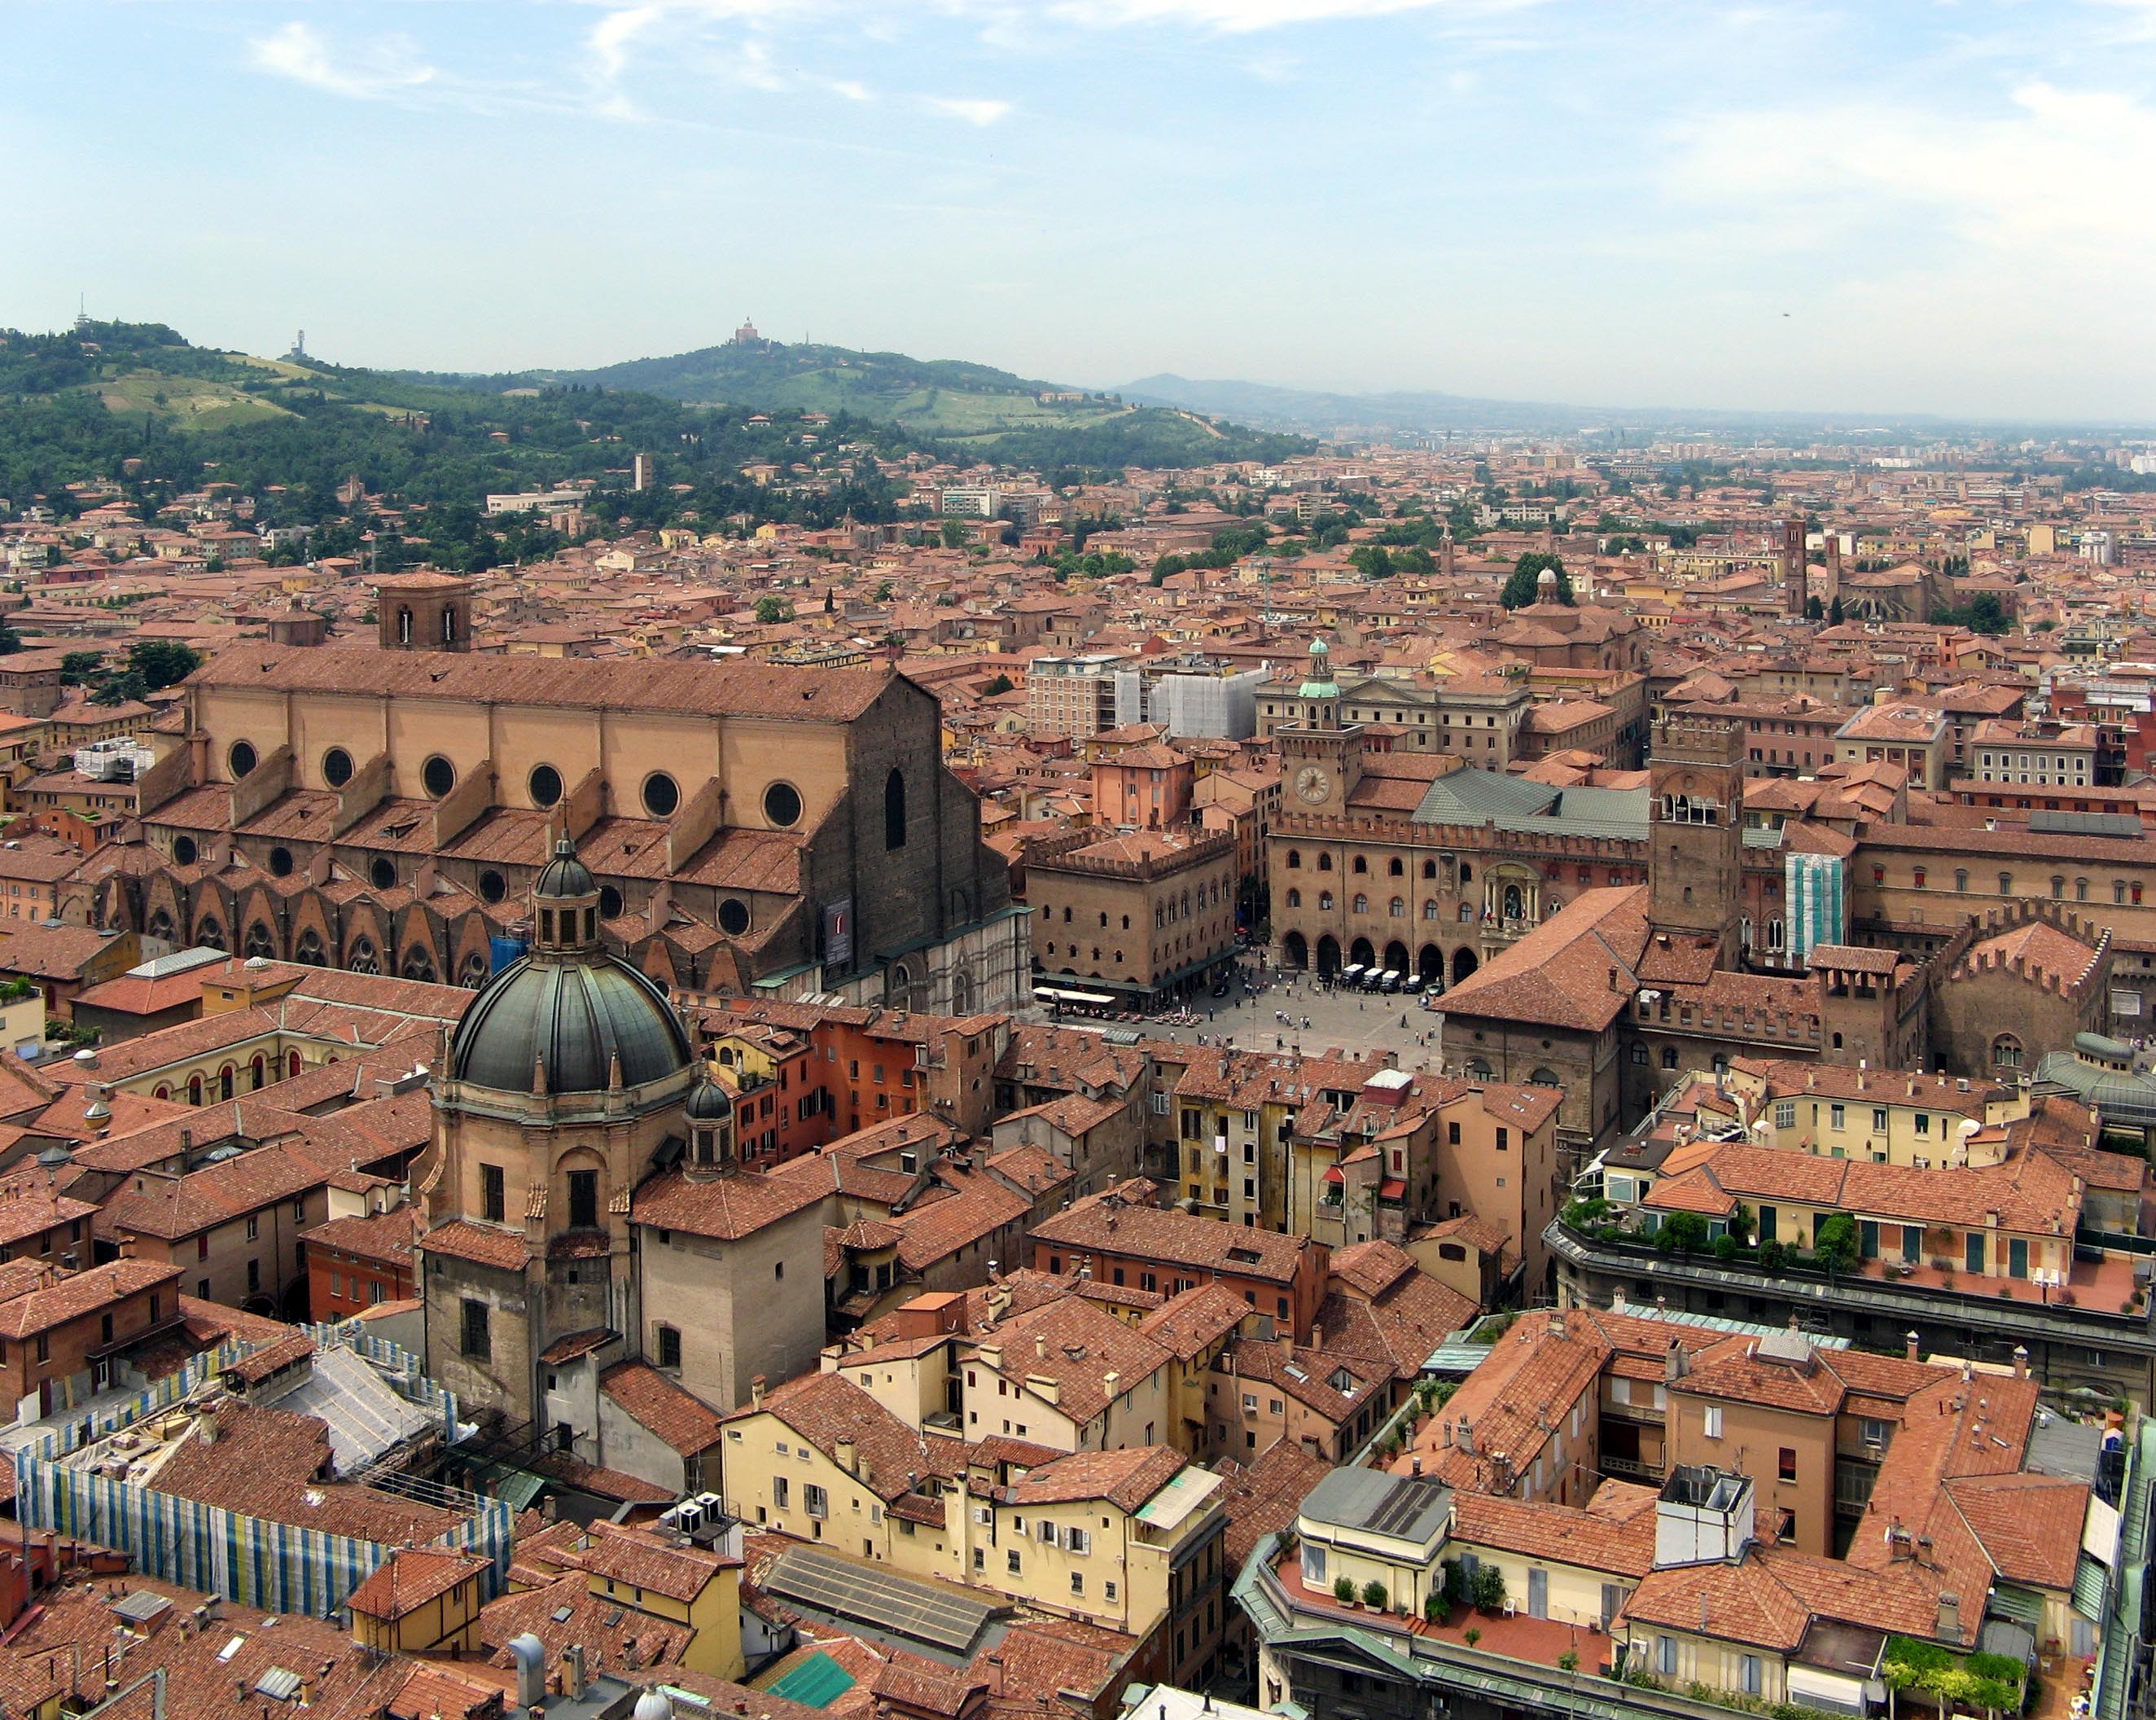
<point x="1335" y="1175"/>
<point x="1392" y="1188"/>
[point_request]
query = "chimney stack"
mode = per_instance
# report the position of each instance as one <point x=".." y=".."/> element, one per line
<point x="1949" y="1625"/>
<point x="1909" y="1346"/>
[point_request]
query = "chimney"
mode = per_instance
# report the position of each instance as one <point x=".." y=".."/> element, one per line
<point x="1909" y="1346"/>
<point x="756" y="1391"/>
<point x="573" y="1671"/>
<point x="1040" y="1348"/>
<point x="1416" y="1468"/>
<point x="2020" y="1361"/>
<point x="1949" y="1625"/>
<point x="530" y="1654"/>
<point x="1673" y="1363"/>
<point x="1466" y="1440"/>
<point x="206" y="1425"/>
<point x="1557" y="1322"/>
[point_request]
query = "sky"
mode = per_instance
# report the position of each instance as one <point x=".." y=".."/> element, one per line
<point x="1879" y="206"/>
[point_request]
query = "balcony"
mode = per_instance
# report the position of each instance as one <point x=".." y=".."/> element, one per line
<point x="1645" y="1414"/>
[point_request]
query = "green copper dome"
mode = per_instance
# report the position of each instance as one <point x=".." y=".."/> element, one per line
<point x="574" y="1018"/>
<point x="1319" y="683"/>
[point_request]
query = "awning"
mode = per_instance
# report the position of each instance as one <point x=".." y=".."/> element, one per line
<point x="1336" y="1175"/>
<point x="2092" y="1587"/>
<point x="1829" y="1691"/>
<point x="2020" y="1606"/>
<point x="1392" y="1188"/>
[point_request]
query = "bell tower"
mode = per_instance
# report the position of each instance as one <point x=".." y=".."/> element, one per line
<point x="1321" y="756"/>
<point x="425" y="612"/>
<point x="1695" y="836"/>
<point x="1796" y="566"/>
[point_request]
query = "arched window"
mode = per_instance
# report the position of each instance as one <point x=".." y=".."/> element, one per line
<point x="1544" y="1078"/>
<point x="259" y="941"/>
<point x="1961" y="881"/>
<point x="291" y="1065"/>
<point x="1361" y="864"/>
<point x="1432" y="910"/>
<point x="418" y="964"/>
<point x="160" y="926"/>
<point x="1295" y="898"/>
<point x="258" y="1071"/>
<point x="1669" y="1056"/>
<point x="894" y="809"/>
<point x="1325" y="862"/>
<point x="210" y="935"/>
<point x="310" y="950"/>
<point x="1397" y="908"/>
<point x="2006" y="884"/>
<point x="2081" y="889"/>
<point x="1361" y="903"/>
<point x="1478" y="1069"/>
<point x="1295" y="860"/>
<point x="1394" y="868"/>
<point x="471" y="972"/>
<point x="194" y="1090"/>
<point x="1467" y="873"/>
<point x="224" y="1079"/>
<point x="2058" y="888"/>
<point x="365" y="959"/>
<point x="1325" y="901"/>
<point x="449" y="626"/>
<point x="2006" y="1052"/>
<point x="403" y="626"/>
<point x="1429" y="869"/>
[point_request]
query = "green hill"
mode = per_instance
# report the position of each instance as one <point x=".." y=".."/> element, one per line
<point x="968" y="408"/>
<point x="133" y="408"/>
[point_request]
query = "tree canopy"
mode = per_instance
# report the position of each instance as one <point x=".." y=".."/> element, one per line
<point x="1522" y="586"/>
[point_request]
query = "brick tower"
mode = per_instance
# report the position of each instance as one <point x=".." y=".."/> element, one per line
<point x="425" y="612"/>
<point x="1792" y="554"/>
<point x="1696" y="858"/>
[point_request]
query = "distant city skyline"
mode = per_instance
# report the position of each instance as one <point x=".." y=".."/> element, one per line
<point x="1804" y="207"/>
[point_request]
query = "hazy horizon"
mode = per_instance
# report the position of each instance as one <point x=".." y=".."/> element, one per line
<point x="1938" y="209"/>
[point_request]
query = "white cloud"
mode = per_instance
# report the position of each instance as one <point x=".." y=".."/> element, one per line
<point x="371" y="71"/>
<point x="2053" y="177"/>
<point x="851" y="91"/>
<point x="1972" y="257"/>
<point x="1237" y="17"/>
<point x="974" y="110"/>
<point x="614" y="35"/>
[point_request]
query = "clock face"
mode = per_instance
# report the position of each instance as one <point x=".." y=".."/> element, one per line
<point x="1312" y="783"/>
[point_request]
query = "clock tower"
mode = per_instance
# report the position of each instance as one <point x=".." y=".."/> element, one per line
<point x="1321" y="758"/>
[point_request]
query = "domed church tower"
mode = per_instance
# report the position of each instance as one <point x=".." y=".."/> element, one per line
<point x="569" y="1081"/>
